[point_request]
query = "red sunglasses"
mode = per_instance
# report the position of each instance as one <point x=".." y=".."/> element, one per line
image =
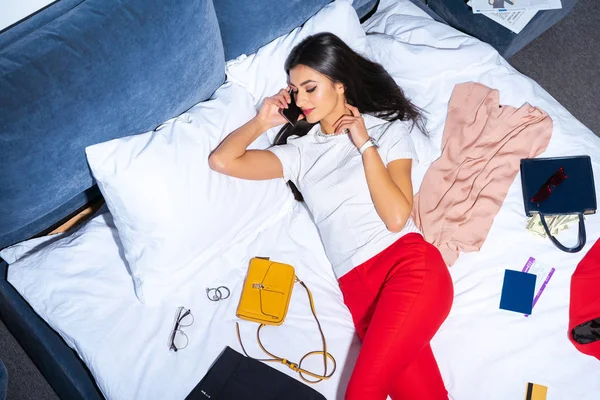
<point x="546" y="189"/>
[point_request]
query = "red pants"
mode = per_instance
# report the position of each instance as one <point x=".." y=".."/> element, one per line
<point x="398" y="300"/>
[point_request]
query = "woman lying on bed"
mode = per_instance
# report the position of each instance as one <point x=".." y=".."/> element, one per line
<point x="350" y="156"/>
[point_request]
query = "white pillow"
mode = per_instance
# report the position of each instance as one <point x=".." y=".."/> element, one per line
<point x="262" y="73"/>
<point x="17" y="251"/>
<point x="79" y="271"/>
<point x="13" y="253"/>
<point x="169" y="207"/>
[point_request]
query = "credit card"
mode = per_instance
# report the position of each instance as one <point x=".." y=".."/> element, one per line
<point x="536" y="392"/>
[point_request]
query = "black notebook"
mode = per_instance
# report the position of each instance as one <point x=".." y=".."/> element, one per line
<point x="236" y="377"/>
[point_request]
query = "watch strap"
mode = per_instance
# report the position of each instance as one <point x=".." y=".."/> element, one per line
<point x="367" y="144"/>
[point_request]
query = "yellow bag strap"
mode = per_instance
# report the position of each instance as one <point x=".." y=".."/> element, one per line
<point x="297" y="367"/>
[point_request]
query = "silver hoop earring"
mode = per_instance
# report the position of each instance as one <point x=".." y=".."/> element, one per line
<point x="218" y="293"/>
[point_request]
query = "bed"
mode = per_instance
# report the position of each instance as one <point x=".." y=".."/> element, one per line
<point x="80" y="285"/>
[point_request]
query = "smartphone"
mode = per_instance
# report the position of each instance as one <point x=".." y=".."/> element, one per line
<point x="291" y="113"/>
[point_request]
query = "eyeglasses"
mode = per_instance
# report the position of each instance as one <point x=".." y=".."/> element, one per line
<point x="178" y="340"/>
<point x="546" y="189"/>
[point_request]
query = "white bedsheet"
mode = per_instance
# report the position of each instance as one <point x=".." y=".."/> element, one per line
<point x="124" y="343"/>
<point x="483" y="352"/>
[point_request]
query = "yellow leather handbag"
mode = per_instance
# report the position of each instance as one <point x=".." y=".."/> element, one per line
<point x="265" y="299"/>
<point x="267" y="291"/>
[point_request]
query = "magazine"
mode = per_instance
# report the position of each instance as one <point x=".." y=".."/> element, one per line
<point x="484" y="6"/>
<point x="513" y="20"/>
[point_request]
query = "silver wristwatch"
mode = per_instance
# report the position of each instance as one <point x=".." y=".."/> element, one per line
<point x="369" y="143"/>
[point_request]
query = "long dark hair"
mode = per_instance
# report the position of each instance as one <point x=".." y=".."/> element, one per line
<point x="368" y="86"/>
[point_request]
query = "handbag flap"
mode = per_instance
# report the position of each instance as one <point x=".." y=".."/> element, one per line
<point x="277" y="289"/>
<point x="576" y="194"/>
<point x="267" y="291"/>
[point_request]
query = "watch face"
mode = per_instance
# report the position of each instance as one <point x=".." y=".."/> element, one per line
<point x="375" y="142"/>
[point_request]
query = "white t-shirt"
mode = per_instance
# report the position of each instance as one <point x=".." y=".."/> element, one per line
<point x="329" y="173"/>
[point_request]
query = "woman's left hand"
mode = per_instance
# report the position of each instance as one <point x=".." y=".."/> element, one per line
<point x="355" y="125"/>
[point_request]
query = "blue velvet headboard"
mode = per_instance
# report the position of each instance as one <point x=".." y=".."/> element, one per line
<point x="85" y="71"/>
<point x="90" y="72"/>
<point x="248" y="25"/>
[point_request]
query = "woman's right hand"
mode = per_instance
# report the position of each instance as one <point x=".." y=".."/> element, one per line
<point x="269" y="111"/>
<point x="232" y="158"/>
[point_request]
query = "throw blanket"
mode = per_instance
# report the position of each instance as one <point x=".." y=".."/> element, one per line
<point x="482" y="146"/>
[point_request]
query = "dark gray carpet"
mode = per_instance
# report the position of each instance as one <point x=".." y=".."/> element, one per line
<point x="25" y="382"/>
<point x="565" y="61"/>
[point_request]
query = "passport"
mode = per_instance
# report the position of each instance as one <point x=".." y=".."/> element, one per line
<point x="517" y="291"/>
